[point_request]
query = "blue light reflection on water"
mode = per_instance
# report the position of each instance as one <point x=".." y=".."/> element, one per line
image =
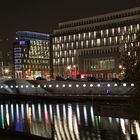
<point x="67" y="121"/>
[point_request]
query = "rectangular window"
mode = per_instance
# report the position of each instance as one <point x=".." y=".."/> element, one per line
<point x="98" y="42"/>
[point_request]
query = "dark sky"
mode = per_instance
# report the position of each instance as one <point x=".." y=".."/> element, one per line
<point x="43" y="15"/>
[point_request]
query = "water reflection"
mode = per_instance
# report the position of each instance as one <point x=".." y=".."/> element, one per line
<point x="69" y="121"/>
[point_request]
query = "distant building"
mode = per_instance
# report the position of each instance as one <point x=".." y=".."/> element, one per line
<point x="31" y="55"/>
<point x="1" y="64"/>
<point x="92" y="46"/>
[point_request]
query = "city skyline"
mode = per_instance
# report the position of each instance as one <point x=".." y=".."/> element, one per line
<point x="43" y="16"/>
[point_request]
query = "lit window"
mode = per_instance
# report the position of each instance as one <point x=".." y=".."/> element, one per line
<point x="116" y="39"/>
<point x="82" y="43"/>
<point x="107" y="32"/>
<point x="72" y="44"/>
<point x="113" y="31"/>
<point x="72" y="60"/>
<point x="110" y="40"/>
<point x="125" y="28"/>
<point x="119" y="30"/>
<point x="84" y="35"/>
<point x="131" y="27"/>
<point x="76" y="44"/>
<point x="79" y="36"/>
<point x="135" y="36"/>
<point x="101" y="33"/>
<point x="69" y="38"/>
<point x="62" y="60"/>
<point x="138" y="27"/>
<point x="74" y="52"/>
<point x="89" y="34"/>
<point x="92" y="43"/>
<point x="64" y="38"/>
<point x="87" y="43"/>
<point x="125" y="46"/>
<point x="98" y="42"/>
<point x="94" y="34"/>
<point x="104" y="41"/>
<point x="74" y="36"/>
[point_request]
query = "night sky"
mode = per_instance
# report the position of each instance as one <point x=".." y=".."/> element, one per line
<point x="43" y="15"/>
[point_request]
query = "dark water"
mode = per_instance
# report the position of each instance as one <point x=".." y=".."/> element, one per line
<point x="71" y="121"/>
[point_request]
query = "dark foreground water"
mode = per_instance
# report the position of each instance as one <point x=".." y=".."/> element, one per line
<point x="71" y="121"/>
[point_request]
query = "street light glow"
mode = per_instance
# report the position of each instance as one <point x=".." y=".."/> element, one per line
<point x="68" y="67"/>
<point x="6" y="70"/>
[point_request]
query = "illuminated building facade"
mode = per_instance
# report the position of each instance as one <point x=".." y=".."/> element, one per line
<point x="93" y="46"/>
<point x="31" y="55"/>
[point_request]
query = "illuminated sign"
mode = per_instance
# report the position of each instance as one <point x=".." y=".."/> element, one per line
<point x="22" y="42"/>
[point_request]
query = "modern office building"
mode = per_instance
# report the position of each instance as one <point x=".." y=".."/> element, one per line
<point x="93" y="46"/>
<point x="31" y="55"/>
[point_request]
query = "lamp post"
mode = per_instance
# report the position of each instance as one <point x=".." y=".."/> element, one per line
<point x="75" y="71"/>
<point x="121" y="71"/>
<point x="6" y="71"/>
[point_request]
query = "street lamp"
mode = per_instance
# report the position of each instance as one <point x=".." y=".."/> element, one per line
<point x="121" y="71"/>
<point x="75" y="71"/>
<point x="69" y="69"/>
<point x="6" y="70"/>
<point x="120" y="66"/>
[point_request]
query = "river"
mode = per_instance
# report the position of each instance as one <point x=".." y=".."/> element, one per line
<point x="71" y="120"/>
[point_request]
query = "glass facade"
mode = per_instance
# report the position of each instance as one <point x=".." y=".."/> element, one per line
<point x="32" y="57"/>
<point x="95" y="47"/>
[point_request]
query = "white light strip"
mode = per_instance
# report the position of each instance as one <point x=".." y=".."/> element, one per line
<point x="85" y="115"/>
<point x="78" y="114"/>
<point x="7" y="115"/>
<point x="22" y="111"/>
<point x="39" y="112"/>
<point x="33" y="112"/>
<point x="51" y="112"/>
<point x="92" y="115"/>
<point x="17" y="112"/>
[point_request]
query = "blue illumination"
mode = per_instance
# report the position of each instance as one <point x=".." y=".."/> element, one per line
<point x="22" y="42"/>
<point x="32" y="35"/>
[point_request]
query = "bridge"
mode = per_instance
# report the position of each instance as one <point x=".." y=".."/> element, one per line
<point x="42" y="87"/>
